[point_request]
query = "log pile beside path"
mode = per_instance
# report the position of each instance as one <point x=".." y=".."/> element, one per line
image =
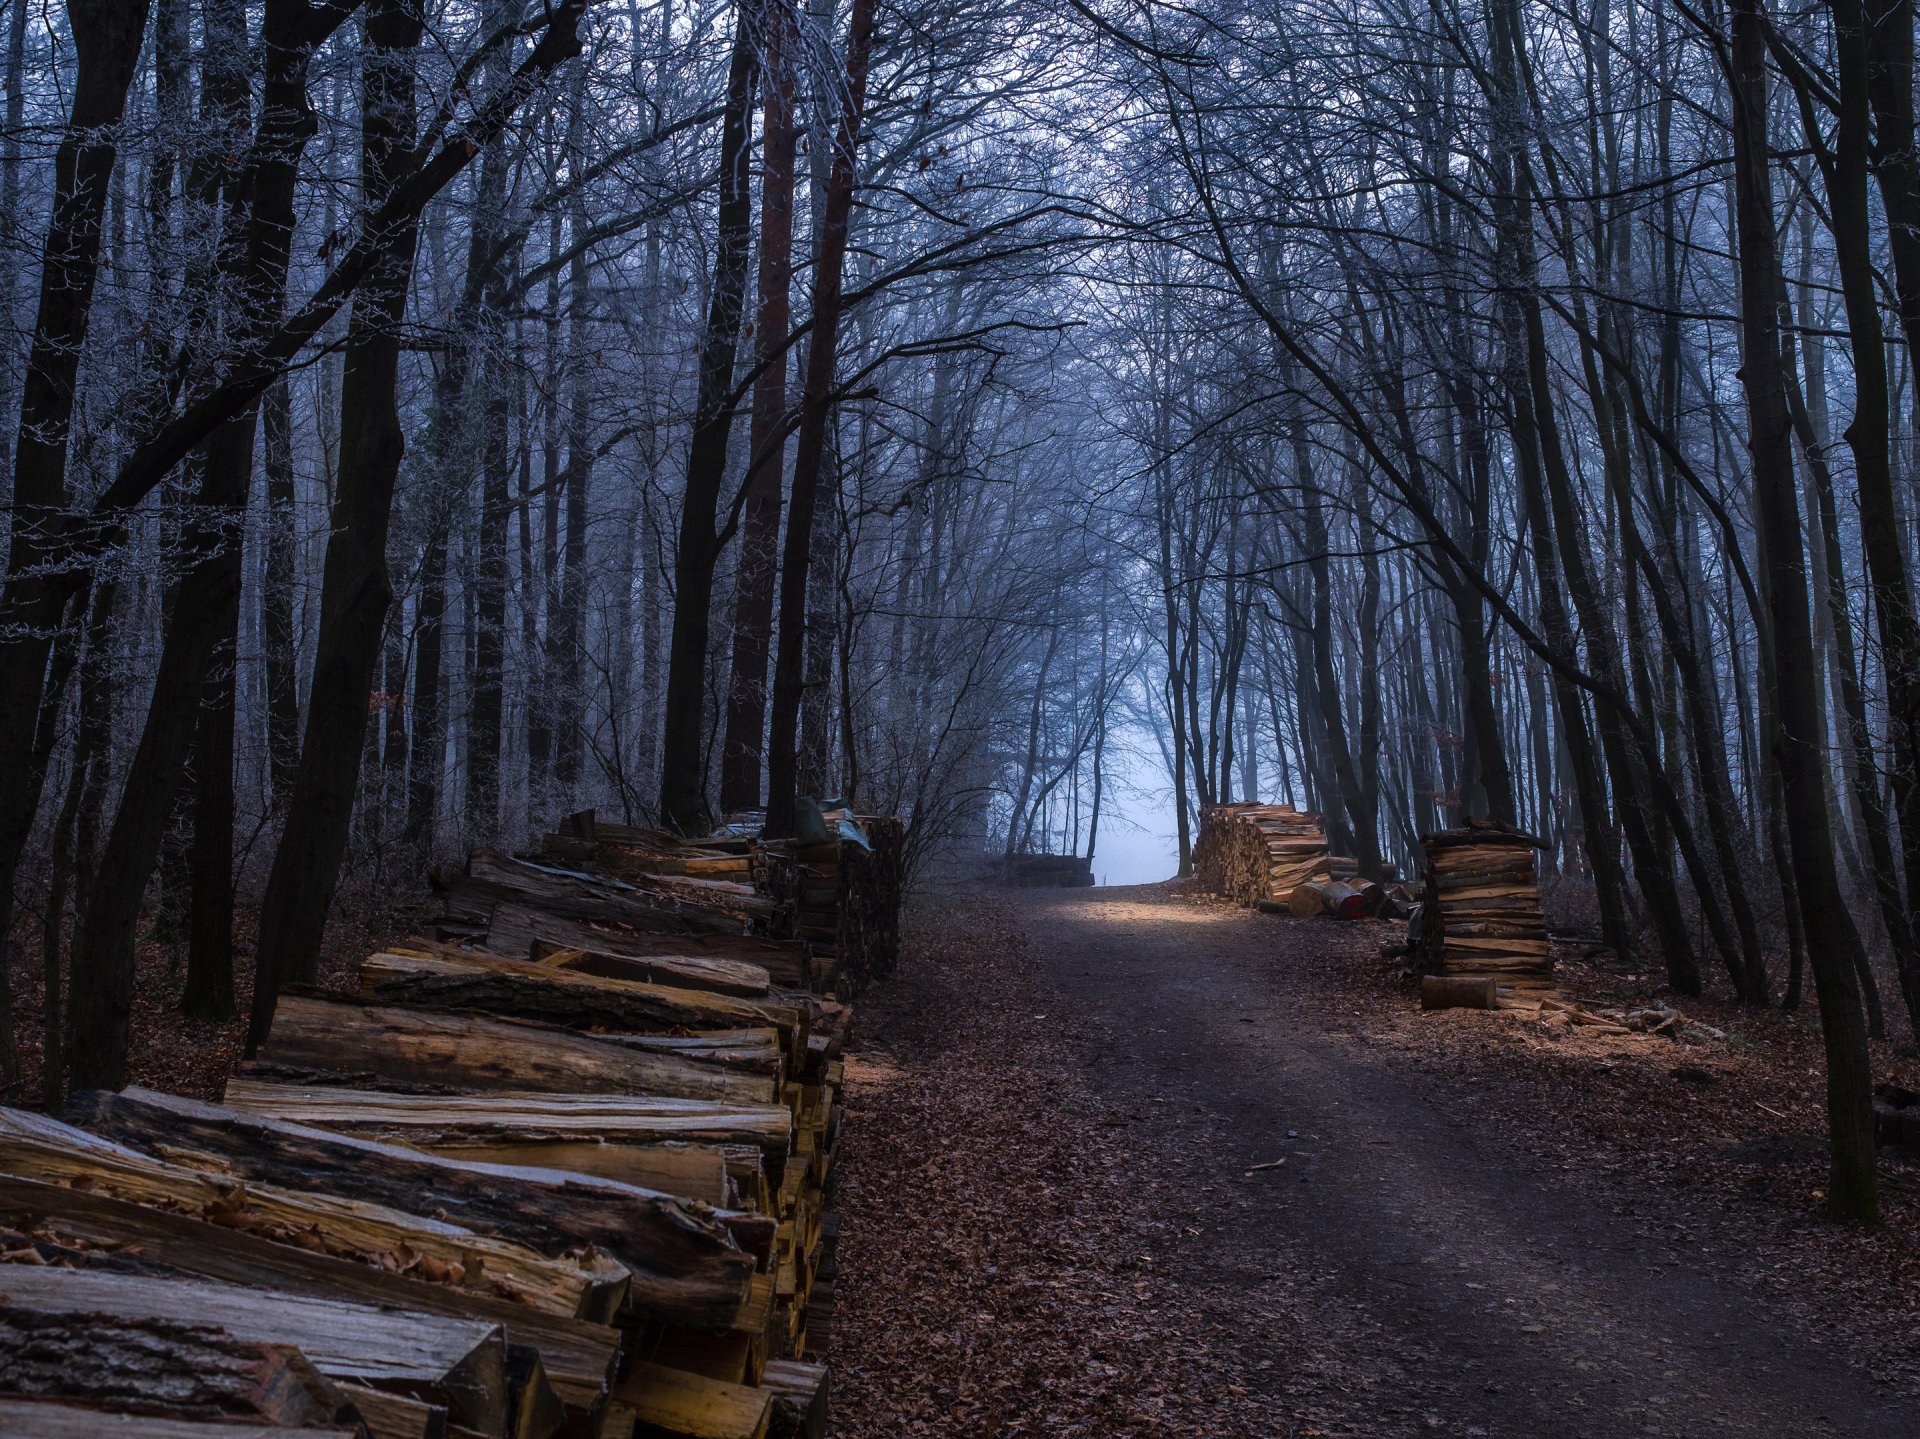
<point x="1480" y="914"/>
<point x="844" y="894"/>
<point x="558" y="1169"/>
<point x="1259" y="853"/>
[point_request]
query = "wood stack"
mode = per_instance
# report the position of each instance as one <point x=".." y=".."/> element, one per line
<point x="1041" y="871"/>
<point x="576" y="1189"/>
<point x="845" y="896"/>
<point x="1254" y="853"/>
<point x="1480" y="914"/>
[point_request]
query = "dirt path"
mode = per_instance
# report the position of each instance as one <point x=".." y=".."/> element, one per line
<point x="1405" y="1270"/>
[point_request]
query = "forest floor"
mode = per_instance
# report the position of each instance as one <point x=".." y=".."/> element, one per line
<point x="1127" y="1162"/>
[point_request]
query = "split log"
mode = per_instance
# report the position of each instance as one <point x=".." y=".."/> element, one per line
<point x="396" y="1416"/>
<point x="36" y="1419"/>
<point x="799" y="1393"/>
<point x="35" y="1147"/>
<point x="513" y="930"/>
<point x="455" y="1362"/>
<point x="685" y="1265"/>
<point x="1458" y="991"/>
<point x="672" y="1402"/>
<point x="445" y="1119"/>
<point x="682" y="971"/>
<point x="756" y="1051"/>
<point x="527" y="990"/>
<point x="492" y="879"/>
<point x="161" y="1367"/>
<point x="580" y="1357"/>
<point x="413" y="1047"/>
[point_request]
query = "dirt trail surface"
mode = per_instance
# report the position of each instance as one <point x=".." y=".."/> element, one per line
<point x="1122" y="1162"/>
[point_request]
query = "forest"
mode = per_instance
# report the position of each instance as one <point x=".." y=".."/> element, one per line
<point x="432" y="417"/>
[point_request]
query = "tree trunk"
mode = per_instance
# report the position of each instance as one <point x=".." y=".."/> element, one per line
<point x="815" y="412"/>
<point x="683" y="791"/>
<point x="107" y="37"/>
<point x="205" y="609"/>
<point x="1797" y="741"/>
<point x="355" y="588"/>
<point x="741" y="749"/>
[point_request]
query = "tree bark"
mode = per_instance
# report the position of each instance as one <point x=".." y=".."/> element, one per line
<point x="683" y="790"/>
<point x="355" y="588"/>
<point x="742" y="748"/>
<point x="816" y="406"/>
<point x="107" y="38"/>
<point x="1797" y="740"/>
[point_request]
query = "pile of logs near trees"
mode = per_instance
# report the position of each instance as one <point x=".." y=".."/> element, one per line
<point x="844" y="894"/>
<point x="1274" y="858"/>
<point x="1480" y="917"/>
<point x="1259" y="852"/>
<point x="557" y="1168"/>
<point x="1041" y="871"/>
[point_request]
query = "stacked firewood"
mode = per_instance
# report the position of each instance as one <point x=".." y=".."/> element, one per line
<point x="844" y="893"/>
<point x="1259" y="853"/>
<point x="1480" y="914"/>
<point x="550" y="1171"/>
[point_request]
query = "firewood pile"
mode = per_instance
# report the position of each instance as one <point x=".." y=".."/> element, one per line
<point x="844" y="893"/>
<point x="1480" y="914"/>
<point x="558" y="1168"/>
<point x="1040" y="871"/>
<point x="1255" y="853"/>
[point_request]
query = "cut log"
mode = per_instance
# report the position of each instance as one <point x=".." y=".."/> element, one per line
<point x="447" y="1052"/>
<point x="1458" y="991"/>
<point x="455" y="1362"/>
<point x="580" y="1357"/>
<point x="35" y="1147"/>
<point x="685" y="1265"/>
<point x="493" y="879"/>
<point x="161" y="1367"/>
<point x="683" y="971"/>
<point x="695" y="1172"/>
<point x="1306" y="900"/>
<point x="513" y="930"/>
<point x="673" y="1402"/>
<point x="523" y="989"/>
<point x="395" y="1416"/>
<point x="444" y="1119"/>
<point x="756" y="1050"/>
<point x="35" y="1419"/>
<point x="799" y="1393"/>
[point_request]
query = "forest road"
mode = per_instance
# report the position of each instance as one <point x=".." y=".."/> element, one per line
<point x="1453" y="1290"/>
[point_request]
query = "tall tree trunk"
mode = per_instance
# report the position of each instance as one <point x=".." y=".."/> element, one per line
<point x="1797" y="741"/>
<point x="107" y="37"/>
<point x="205" y="609"/>
<point x="683" y="797"/>
<point x="741" y="749"/>
<point x="1882" y="531"/>
<point x="815" y="412"/>
<point x="355" y="589"/>
<point x="279" y="637"/>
